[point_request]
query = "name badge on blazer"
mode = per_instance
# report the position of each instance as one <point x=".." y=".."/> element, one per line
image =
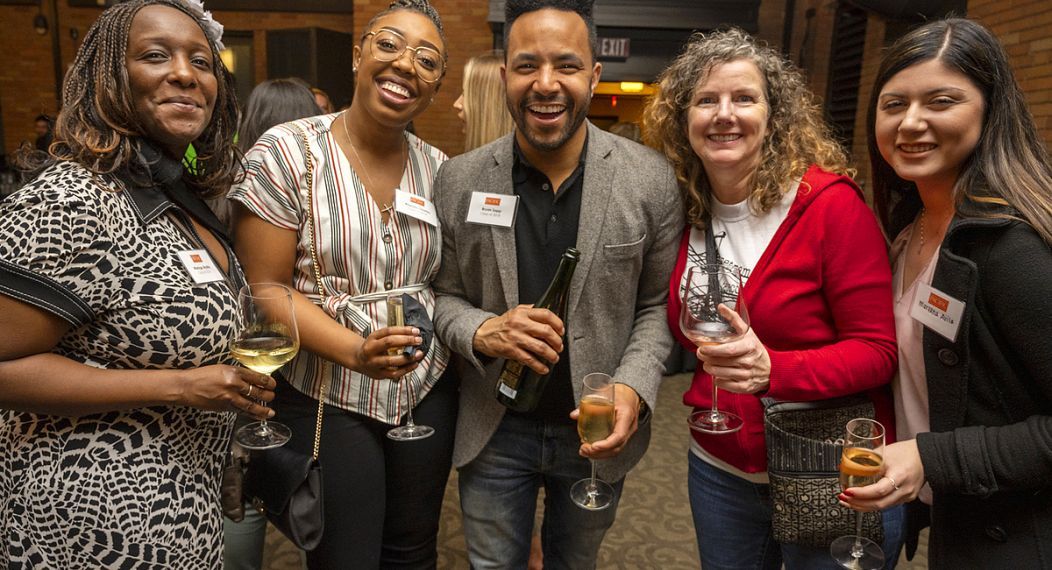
<point x="200" y="266"/>
<point x="937" y="311"/>
<point x="415" y="206"/>
<point x="492" y="209"/>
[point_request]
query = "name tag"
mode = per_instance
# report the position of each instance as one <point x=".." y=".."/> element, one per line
<point x="937" y="311"/>
<point x="492" y="209"/>
<point x="200" y="266"/>
<point x="415" y="207"/>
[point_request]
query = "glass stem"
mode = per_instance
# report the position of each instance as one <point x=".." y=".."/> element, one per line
<point x="264" y="429"/>
<point x="856" y="549"/>
<point x="409" y="412"/>
<point x="715" y="412"/>
<point x="592" y="486"/>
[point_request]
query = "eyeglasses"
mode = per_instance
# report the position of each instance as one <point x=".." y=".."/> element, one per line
<point x="388" y="45"/>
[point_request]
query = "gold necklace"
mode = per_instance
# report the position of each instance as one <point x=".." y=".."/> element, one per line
<point x="922" y="212"/>
<point x="384" y="206"/>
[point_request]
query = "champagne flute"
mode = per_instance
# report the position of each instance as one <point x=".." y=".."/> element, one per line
<point x="861" y="464"/>
<point x="410" y="431"/>
<point x="707" y="287"/>
<point x="595" y="422"/>
<point x="267" y="338"/>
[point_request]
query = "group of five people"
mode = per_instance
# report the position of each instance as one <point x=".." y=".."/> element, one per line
<point x="117" y="395"/>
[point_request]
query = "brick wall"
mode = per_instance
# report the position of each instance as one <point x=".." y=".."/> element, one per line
<point x="1022" y="26"/>
<point x="870" y="62"/>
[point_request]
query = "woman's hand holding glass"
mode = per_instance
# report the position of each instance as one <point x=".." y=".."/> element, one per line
<point x="742" y="366"/>
<point x="902" y="481"/>
<point x="380" y="354"/>
<point x="223" y="388"/>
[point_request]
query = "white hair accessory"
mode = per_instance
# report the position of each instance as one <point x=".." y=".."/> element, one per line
<point x="212" y="28"/>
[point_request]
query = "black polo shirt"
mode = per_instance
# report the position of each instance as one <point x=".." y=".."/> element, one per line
<point x="545" y="225"/>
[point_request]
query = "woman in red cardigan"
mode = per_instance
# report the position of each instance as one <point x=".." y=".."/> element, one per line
<point x="758" y="168"/>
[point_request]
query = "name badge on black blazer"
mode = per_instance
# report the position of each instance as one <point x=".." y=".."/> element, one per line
<point x="937" y="311"/>
<point x="493" y="209"/>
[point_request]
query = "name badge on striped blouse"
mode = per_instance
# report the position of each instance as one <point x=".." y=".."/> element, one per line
<point x="415" y="206"/>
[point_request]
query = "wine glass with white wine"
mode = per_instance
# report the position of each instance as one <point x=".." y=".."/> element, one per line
<point x="706" y="290"/>
<point x="861" y="464"/>
<point x="266" y="339"/>
<point x="410" y="431"/>
<point x="595" y="422"/>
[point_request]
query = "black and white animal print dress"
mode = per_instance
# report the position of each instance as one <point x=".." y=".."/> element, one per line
<point x="133" y="489"/>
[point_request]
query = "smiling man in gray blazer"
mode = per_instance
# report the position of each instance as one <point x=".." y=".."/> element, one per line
<point x="576" y="185"/>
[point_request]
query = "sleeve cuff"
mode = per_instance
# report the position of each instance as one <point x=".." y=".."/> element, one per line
<point x="44" y="293"/>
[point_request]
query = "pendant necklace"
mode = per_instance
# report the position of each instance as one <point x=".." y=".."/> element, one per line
<point x="384" y="207"/>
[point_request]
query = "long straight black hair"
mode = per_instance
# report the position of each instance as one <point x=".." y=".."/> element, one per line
<point x="1009" y="166"/>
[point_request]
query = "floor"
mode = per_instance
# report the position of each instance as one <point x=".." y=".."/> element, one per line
<point x="653" y="527"/>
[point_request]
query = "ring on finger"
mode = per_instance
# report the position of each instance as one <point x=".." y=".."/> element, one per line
<point x="893" y="483"/>
<point x="248" y="394"/>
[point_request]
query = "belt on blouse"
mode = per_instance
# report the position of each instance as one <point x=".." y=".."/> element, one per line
<point x="382" y="295"/>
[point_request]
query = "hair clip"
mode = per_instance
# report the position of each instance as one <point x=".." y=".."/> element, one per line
<point x="212" y="28"/>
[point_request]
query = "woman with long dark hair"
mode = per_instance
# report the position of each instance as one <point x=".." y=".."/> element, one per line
<point x="963" y="183"/>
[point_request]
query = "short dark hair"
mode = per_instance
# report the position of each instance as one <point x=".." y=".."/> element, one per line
<point x="420" y="7"/>
<point x="42" y="118"/>
<point x="583" y="8"/>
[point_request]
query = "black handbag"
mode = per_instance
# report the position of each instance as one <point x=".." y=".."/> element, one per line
<point x="804" y="443"/>
<point x="288" y="483"/>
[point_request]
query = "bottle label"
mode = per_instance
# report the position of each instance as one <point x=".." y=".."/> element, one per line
<point x="508" y="390"/>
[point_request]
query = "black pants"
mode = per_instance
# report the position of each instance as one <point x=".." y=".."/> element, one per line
<point x="383" y="498"/>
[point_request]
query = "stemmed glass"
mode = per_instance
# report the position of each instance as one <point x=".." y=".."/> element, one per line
<point x="266" y="339"/>
<point x="595" y="422"/>
<point x="410" y="431"/>
<point x="861" y="464"/>
<point x="707" y="289"/>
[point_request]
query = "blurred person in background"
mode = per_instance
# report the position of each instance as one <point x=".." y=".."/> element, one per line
<point x="42" y="128"/>
<point x="116" y="399"/>
<point x="383" y="498"/>
<point x="483" y="105"/>
<point x="758" y="168"/>
<point x="963" y="182"/>
<point x="323" y="101"/>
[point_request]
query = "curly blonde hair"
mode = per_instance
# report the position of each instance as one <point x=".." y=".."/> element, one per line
<point x="796" y="138"/>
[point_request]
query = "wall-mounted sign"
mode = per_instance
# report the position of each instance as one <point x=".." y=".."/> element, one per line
<point x="614" y="48"/>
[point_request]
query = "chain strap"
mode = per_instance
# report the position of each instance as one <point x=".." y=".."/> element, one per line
<point x="324" y="388"/>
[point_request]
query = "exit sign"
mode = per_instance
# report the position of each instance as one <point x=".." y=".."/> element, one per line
<point x="614" y="48"/>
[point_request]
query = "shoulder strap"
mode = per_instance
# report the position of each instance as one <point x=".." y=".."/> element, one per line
<point x="324" y="388"/>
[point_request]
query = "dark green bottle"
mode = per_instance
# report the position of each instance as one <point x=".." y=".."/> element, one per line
<point x="518" y="387"/>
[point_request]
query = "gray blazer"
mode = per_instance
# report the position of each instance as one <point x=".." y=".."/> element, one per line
<point x="628" y="234"/>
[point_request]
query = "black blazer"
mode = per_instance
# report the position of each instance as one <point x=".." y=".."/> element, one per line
<point x="988" y="456"/>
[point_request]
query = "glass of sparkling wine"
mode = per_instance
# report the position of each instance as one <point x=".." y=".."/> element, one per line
<point x="861" y="464"/>
<point x="410" y="431"/>
<point x="267" y="338"/>
<point x="595" y="422"/>
<point x="705" y="290"/>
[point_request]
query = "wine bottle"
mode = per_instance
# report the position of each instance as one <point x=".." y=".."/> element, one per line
<point x="518" y="386"/>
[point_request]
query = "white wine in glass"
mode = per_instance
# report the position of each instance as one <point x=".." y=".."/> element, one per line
<point x="861" y="464"/>
<point x="266" y="340"/>
<point x="410" y="431"/>
<point x="595" y="422"/>
<point x="706" y="289"/>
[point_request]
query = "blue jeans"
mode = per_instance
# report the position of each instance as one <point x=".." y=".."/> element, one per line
<point x="732" y="519"/>
<point x="498" y="495"/>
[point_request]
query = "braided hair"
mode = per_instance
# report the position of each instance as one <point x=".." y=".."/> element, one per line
<point x="420" y="7"/>
<point x="98" y="127"/>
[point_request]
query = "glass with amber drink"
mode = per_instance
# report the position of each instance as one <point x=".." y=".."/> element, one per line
<point x="861" y="464"/>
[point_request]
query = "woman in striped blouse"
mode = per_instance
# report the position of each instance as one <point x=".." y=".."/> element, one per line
<point x="382" y="497"/>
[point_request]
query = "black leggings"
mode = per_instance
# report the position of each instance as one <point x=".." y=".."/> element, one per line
<point x="383" y="498"/>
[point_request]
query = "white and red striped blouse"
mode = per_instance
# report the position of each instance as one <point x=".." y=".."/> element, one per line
<point x="358" y="253"/>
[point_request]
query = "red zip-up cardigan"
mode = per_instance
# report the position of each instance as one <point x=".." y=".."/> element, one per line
<point x="820" y="300"/>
